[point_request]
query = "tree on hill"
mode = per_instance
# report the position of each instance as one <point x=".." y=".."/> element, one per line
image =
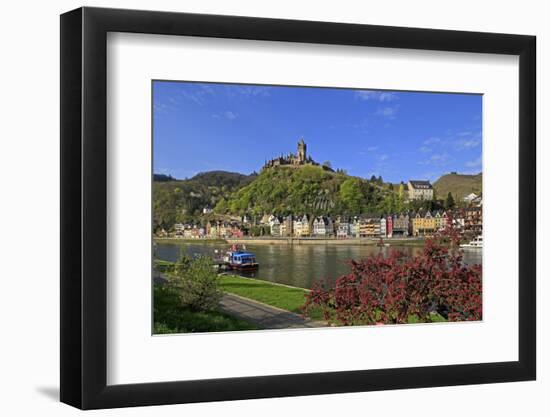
<point x="163" y="177"/>
<point x="176" y="201"/>
<point x="450" y="202"/>
<point x="308" y="189"/>
<point x="351" y="195"/>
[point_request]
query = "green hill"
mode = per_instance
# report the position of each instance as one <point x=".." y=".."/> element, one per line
<point x="460" y="185"/>
<point x="287" y="190"/>
<point x="222" y="178"/>
<point x="308" y="189"/>
<point x="183" y="200"/>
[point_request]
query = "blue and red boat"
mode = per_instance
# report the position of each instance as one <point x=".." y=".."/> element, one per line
<point x="240" y="259"/>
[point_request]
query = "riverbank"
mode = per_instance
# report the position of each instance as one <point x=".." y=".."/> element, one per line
<point x="170" y="317"/>
<point x="264" y="315"/>
<point x="271" y="294"/>
<point x="296" y="241"/>
<point x="282" y="296"/>
<point x="317" y="241"/>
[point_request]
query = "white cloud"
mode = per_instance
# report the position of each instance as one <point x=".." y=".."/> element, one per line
<point x="475" y="163"/>
<point x="460" y="141"/>
<point x="467" y="140"/>
<point x="372" y="148"/>
<point x="229" y="115"/>
<point x="247" y="91"/>
<point x="467" y="143"/>
<point x="431" y="141"/>
<point x="387" y="112"/>
<point x="425" y="149"/>
<point x="382" y="96"/>
<point x="198" y="95"/>
<point x="438" y="159"/>
<point x="163" y="108"/>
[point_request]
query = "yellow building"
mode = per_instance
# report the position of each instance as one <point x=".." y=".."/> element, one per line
<point x="424" y="224"/>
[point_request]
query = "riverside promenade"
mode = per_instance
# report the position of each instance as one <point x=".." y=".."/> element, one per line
<point x="408" y="241"/>
<point x="263" y="315"/>
<point x="300" y="241"/>
<point x="321" y="241"/>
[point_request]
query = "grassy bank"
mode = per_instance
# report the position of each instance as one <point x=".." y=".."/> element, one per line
<point x="276" y="295"/>
<point x="171" y="317"/>
<point x="163" y="266"/>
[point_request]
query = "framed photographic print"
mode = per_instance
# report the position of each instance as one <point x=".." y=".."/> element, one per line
<point x="257" y="208"/>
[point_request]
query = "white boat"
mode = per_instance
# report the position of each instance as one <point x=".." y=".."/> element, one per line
<point x="477" y="243"/>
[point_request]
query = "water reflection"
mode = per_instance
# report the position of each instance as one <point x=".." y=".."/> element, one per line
<point x="298" y="265"/>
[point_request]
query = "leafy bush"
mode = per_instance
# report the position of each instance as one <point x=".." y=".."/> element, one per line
<point x="430" y="287"/>
<point x="163" y="266"/>
<point x="171" y="317"/>
<point x="196" y="283"/>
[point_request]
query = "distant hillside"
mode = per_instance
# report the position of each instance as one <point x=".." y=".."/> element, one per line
<point x="223" y="178"/>
<point x="459" y="185"/>
<point x="183" y="200"/>
<point x="283" y="190"/>
<point x="163" y="178"/>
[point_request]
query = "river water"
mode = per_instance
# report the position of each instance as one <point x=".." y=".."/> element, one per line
<point x="297" y="265"/>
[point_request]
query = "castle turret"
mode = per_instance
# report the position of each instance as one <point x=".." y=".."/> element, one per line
<point x="300" y="158"/>
<point x="302" y="151"/>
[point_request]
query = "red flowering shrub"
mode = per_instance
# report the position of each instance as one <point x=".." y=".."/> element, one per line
<point x="430" y="287"/>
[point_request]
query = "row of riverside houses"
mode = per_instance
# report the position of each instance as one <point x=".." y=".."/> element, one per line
<point x="220" y="229"/>
<point x="420" y="223"/>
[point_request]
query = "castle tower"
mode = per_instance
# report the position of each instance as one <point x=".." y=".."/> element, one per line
<point x="302" y="151"/>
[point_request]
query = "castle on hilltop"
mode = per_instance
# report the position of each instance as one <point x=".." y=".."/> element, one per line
<point x="293" y="160"/>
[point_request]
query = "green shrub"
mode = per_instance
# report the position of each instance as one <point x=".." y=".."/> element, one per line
<point x="171" y="317"/>
<point x="197" y="284"/>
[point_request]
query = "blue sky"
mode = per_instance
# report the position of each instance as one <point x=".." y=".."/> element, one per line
<point x="201" y="127"/>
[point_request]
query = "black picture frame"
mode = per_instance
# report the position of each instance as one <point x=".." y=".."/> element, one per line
<point x="84" y="207"/>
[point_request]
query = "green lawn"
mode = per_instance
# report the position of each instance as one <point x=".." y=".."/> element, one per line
<point x="286" y="298"/>
<point x="163" y="266"/>
<point x="200" y="322"/>
<point x="170" y="317"/>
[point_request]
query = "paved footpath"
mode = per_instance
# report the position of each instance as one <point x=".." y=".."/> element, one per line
<point x="263" y="315"/>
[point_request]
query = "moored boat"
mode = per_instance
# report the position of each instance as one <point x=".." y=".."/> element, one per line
<point x="240" y="259"/>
